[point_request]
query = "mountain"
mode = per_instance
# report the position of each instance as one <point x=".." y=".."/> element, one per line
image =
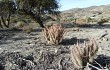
<point x="102" y="11"/>
<point x="101" y="8"/>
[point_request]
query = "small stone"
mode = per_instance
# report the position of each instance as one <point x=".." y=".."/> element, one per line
<point x="103" y="34"/>
<point x="106" y="39"/>
<point x="99" y="42"/>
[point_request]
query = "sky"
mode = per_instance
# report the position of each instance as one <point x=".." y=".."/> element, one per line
<point x="69" y="4"/>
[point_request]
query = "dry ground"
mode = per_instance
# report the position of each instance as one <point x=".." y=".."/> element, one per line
<point x="21" y="51"/>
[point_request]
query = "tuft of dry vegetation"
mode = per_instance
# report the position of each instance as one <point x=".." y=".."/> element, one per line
<point x="80" y="22"/>
<point x="54" y="33"/>
<point x="102" y="21"/>
<point x="27" y="29"/>
<point x="20" y="24"/>
<point x="83" y="54"/>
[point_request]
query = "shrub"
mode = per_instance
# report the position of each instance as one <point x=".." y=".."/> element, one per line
<point x="102" y="21"/>
<point x="54" y="33"/>
<point x="80" y="22"/>
<point x="83" y="54"/>
<point x="20" y="24"/>
<point x="27" y="29"/>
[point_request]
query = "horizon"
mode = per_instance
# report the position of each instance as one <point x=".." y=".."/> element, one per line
<point x="70" y="4"/>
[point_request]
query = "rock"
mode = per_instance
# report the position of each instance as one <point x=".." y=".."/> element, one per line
<point x="103" y="34"/>
<point x="76" y="29"/>
<point x="29" y="65"/>
<point x="9" y="66"/>
<point x="29" y="57"/>
<point x="64" y="50"/>
<point x="106" y="39"/>
<point x="64" y="63"/>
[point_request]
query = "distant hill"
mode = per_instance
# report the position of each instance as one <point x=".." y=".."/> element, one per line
<point x="101" y="8"/>
<point x="96" y="12"/>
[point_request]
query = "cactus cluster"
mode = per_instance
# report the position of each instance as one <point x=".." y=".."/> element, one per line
<point x="54" y="34"/>
<point x="83" y="54"/>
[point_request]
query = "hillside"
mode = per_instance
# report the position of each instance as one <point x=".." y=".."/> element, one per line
<point x="92" y="11"/>
<point x="102" y="8"/>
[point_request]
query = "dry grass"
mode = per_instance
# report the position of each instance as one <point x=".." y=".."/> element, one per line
<point x="83" y="54"/>
<point x="20" y="24"/>
<point x="102" y="21"/>
<point x="27" y="29"/>
<point x="54" y="33"/>
<point x="79" y="22"/>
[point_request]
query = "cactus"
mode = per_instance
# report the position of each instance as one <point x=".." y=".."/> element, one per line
<point x="77" y="56"/>
<point x="81" y="55"/>
<point x="54" y="34"/>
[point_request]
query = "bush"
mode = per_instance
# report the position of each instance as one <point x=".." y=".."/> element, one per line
<point x="20" y="24"/>
<point x="102" y="21"/>
<point x="27" y="29"/>
<point x="83" y="54"/>
<point x="54" y="33"/>
<point x="80" y="22"/>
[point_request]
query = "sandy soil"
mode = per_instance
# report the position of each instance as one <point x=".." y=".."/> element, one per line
<point x="21" y="51"/>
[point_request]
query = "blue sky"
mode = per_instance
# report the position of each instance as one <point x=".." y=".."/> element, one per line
<point x="68" y="4"/>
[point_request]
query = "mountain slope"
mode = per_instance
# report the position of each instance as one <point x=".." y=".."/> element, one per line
<point x="101" y="8"/>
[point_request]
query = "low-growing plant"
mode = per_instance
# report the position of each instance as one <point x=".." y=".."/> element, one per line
<point x="102" y="21"/>
<point x="27" y="29"/>
<point x="80" y="22"/>
<point x="88" y="19"/>
<point x="54" y="33"/>
<point x="83" y="54"/>
<point x="20" y="24"/>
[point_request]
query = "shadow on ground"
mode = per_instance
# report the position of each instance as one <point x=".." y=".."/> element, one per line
<point x="95" y="26"/>
<point x="8" y="35"/>
<point x="103" y="61"/>
<point x="38" y="30"/>
<point x="72" y="41"/>
<point x="92" y="26"/>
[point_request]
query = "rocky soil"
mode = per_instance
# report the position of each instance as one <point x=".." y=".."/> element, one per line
<point x="21" y="51"/>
